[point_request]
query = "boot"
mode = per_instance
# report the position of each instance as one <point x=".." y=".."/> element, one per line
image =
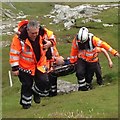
<point x="89" y="86"/>
<point x="51" y="94"/>
<point x="26" y="106"/>
<point x="36" y="98"/>
<point x="83" y="88"/>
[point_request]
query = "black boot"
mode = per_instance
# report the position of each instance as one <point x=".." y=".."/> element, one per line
<point x="51" y="94"/>
<point x="100" y="83"/>
<point x="89" y="86"/>
<point x="26" y="106"/>
<point x="83" y="88"/>
<point x="36" y="98"/>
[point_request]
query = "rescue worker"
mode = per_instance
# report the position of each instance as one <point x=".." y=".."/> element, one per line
<point x="28" y="62"/>
<point x="53" y="59"/>
<point x="83" y="52"/>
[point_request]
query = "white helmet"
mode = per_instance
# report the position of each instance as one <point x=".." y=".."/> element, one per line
<point x="83" y="34"/>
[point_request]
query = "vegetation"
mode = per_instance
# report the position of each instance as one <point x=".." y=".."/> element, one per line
<point x="101" y="102"/>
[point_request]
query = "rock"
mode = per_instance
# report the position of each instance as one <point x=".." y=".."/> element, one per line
<point x="108" y="25"/>
<point x="65" y="87"/>
<point x="91" y="20"/>
<point x="69" y="23"/>
<point x="65" y="14"/>
<point x="4" y="43"/>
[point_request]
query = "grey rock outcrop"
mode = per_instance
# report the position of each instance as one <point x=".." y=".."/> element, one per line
<point x="67" y="15"/>
<point x="65" y="87"/>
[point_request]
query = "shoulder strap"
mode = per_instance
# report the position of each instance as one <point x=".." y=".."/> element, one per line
<point x="41" y="31"/>
<point x="90" y="41"/>
<point x="76" y="39"/>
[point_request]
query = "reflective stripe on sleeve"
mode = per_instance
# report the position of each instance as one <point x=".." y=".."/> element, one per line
<point x="14" y="51"/>
<point x="14" y="57"/>
<point x="14" y="64"/>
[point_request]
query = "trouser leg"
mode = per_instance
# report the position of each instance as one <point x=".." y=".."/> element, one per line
<point x="42" y="84"/>
<point x="53" y="85"/>
<point x="26" y="88"/>
<point x="98" y="73"/>
<point x="91" y="68"/>
<point x="80" y="74"/>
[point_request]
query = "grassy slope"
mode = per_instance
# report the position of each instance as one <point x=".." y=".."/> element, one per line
<point x="102" y="102"/>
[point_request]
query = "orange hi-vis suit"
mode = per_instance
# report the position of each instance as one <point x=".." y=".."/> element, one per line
<point x="86" y="56"/>
<point x="22" y="55"/>
<point x="89" y="55"/>
<point x="31" y="65"/>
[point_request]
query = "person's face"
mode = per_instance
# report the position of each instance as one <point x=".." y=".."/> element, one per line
<point x="33" y="33"/>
